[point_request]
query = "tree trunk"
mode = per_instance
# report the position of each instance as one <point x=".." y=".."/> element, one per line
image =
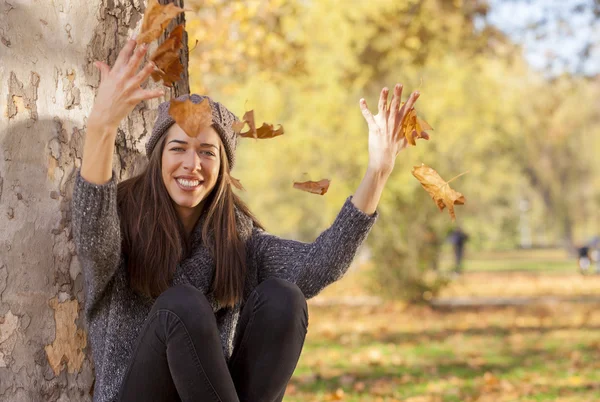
<point x="47" y="88"/>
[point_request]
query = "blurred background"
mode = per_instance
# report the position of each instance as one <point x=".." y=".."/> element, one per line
<point x="499" y="305"/>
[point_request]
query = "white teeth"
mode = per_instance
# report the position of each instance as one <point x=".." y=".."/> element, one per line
<point x="188" y="183"/>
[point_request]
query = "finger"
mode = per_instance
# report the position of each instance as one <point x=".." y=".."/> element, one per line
<point x="146" y="94"/>
<point x="367" y="113"/>
<point x="425" y="136"/>
<point x="103" y="68"/>
<point x="124" y="54"/>
<point x="134" y="61"/>
<point x="383" y="100"/>
<point x="143" y="75"/>
<point x="396" y="98"/>
<point x="410" y="103"/>
<point x="403" y="143"/>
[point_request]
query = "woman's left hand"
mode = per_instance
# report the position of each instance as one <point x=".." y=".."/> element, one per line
<point x="386" y="139"/>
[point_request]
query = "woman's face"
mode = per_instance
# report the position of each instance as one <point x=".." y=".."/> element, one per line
<point x="190" y="167"/>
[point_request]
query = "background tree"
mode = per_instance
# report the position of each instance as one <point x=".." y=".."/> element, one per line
<point x="477" y="92"/>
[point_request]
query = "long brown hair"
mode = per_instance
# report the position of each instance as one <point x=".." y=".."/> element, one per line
<point x="154" y="240"/>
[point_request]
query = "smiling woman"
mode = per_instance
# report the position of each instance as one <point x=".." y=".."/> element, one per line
<point x="187" y="297"/>
<point x="190" y="167"/>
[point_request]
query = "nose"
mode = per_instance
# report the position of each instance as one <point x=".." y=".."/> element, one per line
<point x="192" y="161"/>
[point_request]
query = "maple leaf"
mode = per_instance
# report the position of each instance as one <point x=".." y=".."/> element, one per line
<point x="440" y="190"/>
<point x="316" y="187"/>
<point x="191" y="117"/>
<point x="166" y="58"/>
<point x="263" y="132"/>
<point x="156" y="19"/>
<point x="414" y="127"/>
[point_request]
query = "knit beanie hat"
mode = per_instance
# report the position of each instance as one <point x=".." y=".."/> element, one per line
<point x="223" y="121"/>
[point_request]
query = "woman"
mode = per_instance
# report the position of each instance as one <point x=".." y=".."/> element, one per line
<point x="187" y="298"/>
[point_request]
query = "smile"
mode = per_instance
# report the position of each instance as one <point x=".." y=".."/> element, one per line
<point x="188" y="184"/>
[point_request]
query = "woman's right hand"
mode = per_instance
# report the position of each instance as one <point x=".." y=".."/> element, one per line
<point x="120" y="87"/>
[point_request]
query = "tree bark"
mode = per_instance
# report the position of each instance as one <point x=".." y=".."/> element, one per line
<point x="47" y="88"/>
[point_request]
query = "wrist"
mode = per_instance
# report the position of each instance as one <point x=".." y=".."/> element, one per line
<point x="98" y="121"/>
<point x="381" y="171"/>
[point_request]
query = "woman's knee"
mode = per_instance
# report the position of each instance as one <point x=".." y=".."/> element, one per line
<point x="282" y="301"/>
<point x="185" y="301"/>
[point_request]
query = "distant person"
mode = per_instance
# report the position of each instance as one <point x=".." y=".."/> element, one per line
<point x="588" y="254"/>
<point x="458" y="238"/>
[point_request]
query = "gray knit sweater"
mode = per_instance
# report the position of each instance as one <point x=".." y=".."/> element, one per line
<point x="115" y="314"/>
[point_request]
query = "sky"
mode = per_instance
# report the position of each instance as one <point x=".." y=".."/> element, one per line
<point x="562" y="29"/>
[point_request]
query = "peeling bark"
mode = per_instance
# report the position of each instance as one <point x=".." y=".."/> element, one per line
<point x="47" y="88"/>
<point x="68" y="345"/>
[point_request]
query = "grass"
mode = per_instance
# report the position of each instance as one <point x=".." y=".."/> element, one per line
<point x="388" y="351"/>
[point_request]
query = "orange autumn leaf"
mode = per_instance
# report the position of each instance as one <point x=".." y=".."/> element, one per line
<point x="166" y="58"/>
<point x="440" y="190"/>
<point x="414" y="127"/>
<point x="316" y="187"/>
<point x="248" y="118"/>
<point x="263" y="132"/>
<point x="156" y="19"/>
<point x="191" y="117"/>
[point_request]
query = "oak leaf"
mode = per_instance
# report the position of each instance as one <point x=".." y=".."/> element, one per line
<point x="191" y="117"/>
<point x="156" y="19"/>
<point x="440" y="190"/>
<point x="263" y="132"/>
<point x="316" y="187"/>
<point x="166" y="58"/>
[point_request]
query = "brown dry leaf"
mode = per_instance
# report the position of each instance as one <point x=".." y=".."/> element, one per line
<point x="359" y="386"/>
<point x="191" y="117"/>
<point x="263" y="132"/>
<point x="316" y="187"/>
<point x="414" y="125"/>
<point x="440" y="190"/>
<point x="156" y="19"/>
<point x="166" y="58"/>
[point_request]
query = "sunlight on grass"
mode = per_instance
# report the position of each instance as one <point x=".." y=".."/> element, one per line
<point x="388" y="351"/>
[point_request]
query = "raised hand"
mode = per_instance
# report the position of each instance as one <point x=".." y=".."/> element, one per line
<point x="385" y="135"/>
<point x="120" y="87"/>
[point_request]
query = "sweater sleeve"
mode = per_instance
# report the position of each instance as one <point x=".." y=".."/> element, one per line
<point x="97" y="234"/>
<point x="313" y="266"/>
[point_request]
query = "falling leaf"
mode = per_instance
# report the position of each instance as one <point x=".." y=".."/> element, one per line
<point x="248" y="118"/>
<point x="263" y="132"/>
<point x="166" y="58"/>
<point x="315" y="187"/>
<point x="414" y="127"/>
<point x="156" y="19"/>
<point x="440" y="190"/>
<point x="191" y="117"/>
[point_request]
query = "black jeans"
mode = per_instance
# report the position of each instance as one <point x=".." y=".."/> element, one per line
<point x="178" y="356"/>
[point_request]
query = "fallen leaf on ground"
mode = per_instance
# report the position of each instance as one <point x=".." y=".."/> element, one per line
<point x="166" y="58"/>
<point x="316" y="187"/>
<point x="263" y="132"/>
<point x="156" y="19"/>
<point x="440" y="190"/>
<point x="191" y="117"/>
